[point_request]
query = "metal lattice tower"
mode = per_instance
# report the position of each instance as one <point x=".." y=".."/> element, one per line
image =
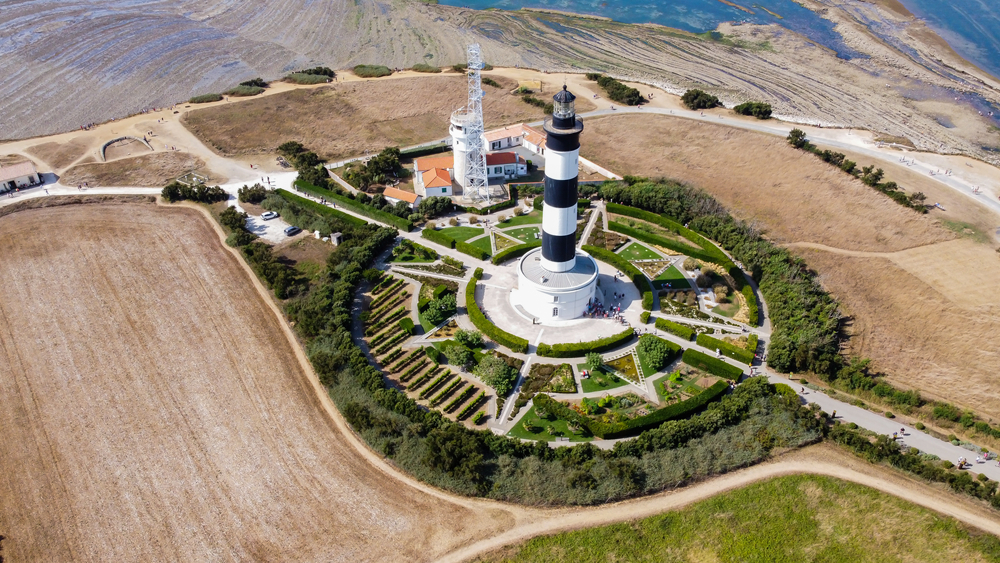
<point x="476" y="182"/>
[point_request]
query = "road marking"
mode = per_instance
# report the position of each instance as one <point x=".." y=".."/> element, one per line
<point x="539" y="339"/>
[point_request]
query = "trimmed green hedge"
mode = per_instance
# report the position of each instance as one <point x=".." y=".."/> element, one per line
<point x="644" y="317"/>
<point x="471" y="250"/>
<point x="320" y="208"/>
<point x="712" y="365"/>
<point x="356" y="206"/>
<point x="636" y="425"/>
<point x="675" y="329"/>
<point x="580" y="349"/>
<point x="434" y="354"/>
<point x="658" y="240"/>
<point x="751" y="299"/>
<point x="752" y="343"/>
<point x="206" y="98"/>
<point x="438" y="237"/>
<point x="515" y="343"/>
<point x="372" y="71"/>
<point x="633" y="273"/>
<point x="406" y="323"/>
<point x="672" y="226"/>
<point x="731" y="350"/>
<point x="514" y="252"/>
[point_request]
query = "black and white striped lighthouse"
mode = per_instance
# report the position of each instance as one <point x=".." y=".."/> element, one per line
<point x="562" y="160"/>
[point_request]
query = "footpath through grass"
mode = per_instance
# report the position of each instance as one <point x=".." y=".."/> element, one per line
<point x="789" y="519"/>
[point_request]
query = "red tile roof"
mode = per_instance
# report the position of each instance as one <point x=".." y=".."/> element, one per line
<point x="534" y="137"/>
<point x="437" y="178"/>
<point x="15" y="171"/>
<point x="498" y="158"/>
<point x="395" y="193"/>
<point x="427" y="163"/>
<point x="509" y="131"/>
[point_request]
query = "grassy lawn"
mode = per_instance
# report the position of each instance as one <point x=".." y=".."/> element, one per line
<point x="503" y="242"/>
<point x="462" y="233"/>
<point x="411" y="259"/>
<point x="525" y="234"/>
<point x="674" y="277"/>
<point x="636" y="251"/>
<point x="532" y="218"/>
<point x="600" y="380"/>
<point x="532" y="419"/>
<point x="483" y="243"/>
<point x="788" y="519"/>
<point x="727" y="309"/>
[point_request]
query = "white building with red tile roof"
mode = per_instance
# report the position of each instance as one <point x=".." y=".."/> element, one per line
<point x="507" y="165"/>
<point x="433" y="175"/>
<point x="395" y="195"/>
<point x="20" y="175"/>
<point x="533" y="140"/>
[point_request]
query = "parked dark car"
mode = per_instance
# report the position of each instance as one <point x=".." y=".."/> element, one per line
<point x="292" y="231"/>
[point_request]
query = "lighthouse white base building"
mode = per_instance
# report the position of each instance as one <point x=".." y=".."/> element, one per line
<point x="555" y="296"/>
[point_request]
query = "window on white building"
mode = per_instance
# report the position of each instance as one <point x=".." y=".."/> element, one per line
<point x="555" y="311"/>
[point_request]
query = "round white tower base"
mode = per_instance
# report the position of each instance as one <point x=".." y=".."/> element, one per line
<point x="554" y="296"/>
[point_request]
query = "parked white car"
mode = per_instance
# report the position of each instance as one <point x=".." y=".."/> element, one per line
<point x="268" y="215"/>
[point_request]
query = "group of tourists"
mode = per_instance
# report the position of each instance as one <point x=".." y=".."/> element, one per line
<point x="596" y="309"/>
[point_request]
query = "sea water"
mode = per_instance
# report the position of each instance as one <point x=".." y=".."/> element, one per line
<point x="971" y="27"/>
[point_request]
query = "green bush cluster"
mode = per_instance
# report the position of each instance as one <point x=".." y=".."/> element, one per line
<point x="580" y="349"/>
<point x="514" y="252"/>
<point x="626" y="267"/>
<point x="753" y="316"/>
<point x="676" y="329"/>
<point x="619" y="92"/>
<point x="306" y="79"/>
<point x="252" y="194"/>
<point x="372" y="71"/>
<point x="730" y="350"/>
<point x="699" y="99"/>
<point x="243" y="91"/>
<point x="377" y="170"/>
<point x="752" y="343"/>
<point x="424" y="67"/>
<point x="886" y="450"/>
<point x="631" y="427"/>
<point x="320" y="209"/>
<point x="406" y="323"/>
<point x="644" y="317"/>
<point x="869" y="175"/>
<point x="206" y="98"/>
<point x="255" y="82"/>
<point x="176" y="191"/>
<point x="714" y="366"/>
<point x="308" y="164"/>
<point x="546" y="107"/>
<point x="760" y="110"/>
<point x="515" y="343"/>
<point x="655" y="352"/>
<point x="490" y="82"/>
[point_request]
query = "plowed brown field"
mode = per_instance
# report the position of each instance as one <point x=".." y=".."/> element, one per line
<point x="152" y="409"/>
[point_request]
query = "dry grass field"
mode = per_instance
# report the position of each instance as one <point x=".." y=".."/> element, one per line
<point x="923" y="302"/>
<point x="349" y="118"/>
<point x="61" y="155"/>
<point x="149" y="170"/>
<point x="153" y="409"/>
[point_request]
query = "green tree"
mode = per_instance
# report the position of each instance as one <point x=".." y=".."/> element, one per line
<point x="456" y="451"/>
<point x="233" y="220"/>
<point x="458" y="355"/>
<point x="440" y="309"/>
<point x="797" y="138"/>
<point x="698" y="99"/>
<point x="594" y="360"/>
<point x="469" y="338"/>
<point x="495" y="372"/>
<point x="656" y="351"/>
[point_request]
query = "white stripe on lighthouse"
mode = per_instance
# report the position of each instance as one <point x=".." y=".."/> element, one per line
<point x="559" y="221"/>
<point x="562" y="165"/>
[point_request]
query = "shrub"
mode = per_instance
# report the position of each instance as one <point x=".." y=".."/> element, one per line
<point x="751" y="299"/>
<point x="698" y="99"/>
<point x="490" y="82"/>
<point x="752" y="343"/>
<point x="305" y="79"/>
<point x="406" y="323"/>
<point x="727" y="349"/>
<point x="478" y="419"/>
<point x="647" y="303"/>
<point x="469" y="338"/>
<point x="760" y="110"/>
<point x="434" y="354"/>
<point x="595" y="76"/>
<point x="252" y="194"/>
<point x="372" y="71"/>
<point x="244" y="91"/>
<point x="572" y="350"/>
<point x="438" y="237"/>
<point x="176" y="191"/>
<point x="258" y="82"/>
<point x="515" y="343"/>
<point x="644" y="317"/>
<point x="495" y="372"/>
<point x="655" y="351"/>
<point x="319" y="71"/>
<point x="206" y="98"/>
<point x="439" y="310"/>
<point x="471" y="250"/>
<point x="620" y="92"/>
<point x="424" y="67"/>
<point x="321" y="209"/>
<point x="676" y="329"/>
<point x="715" y="366"/>
<point x="919" y="426"/>
<point x="888" y="414"/>
<point x="514" y="252"/>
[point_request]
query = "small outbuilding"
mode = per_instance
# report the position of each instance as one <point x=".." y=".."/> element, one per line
<point x="395" y="195"/>
<point x="20" y="175"/>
